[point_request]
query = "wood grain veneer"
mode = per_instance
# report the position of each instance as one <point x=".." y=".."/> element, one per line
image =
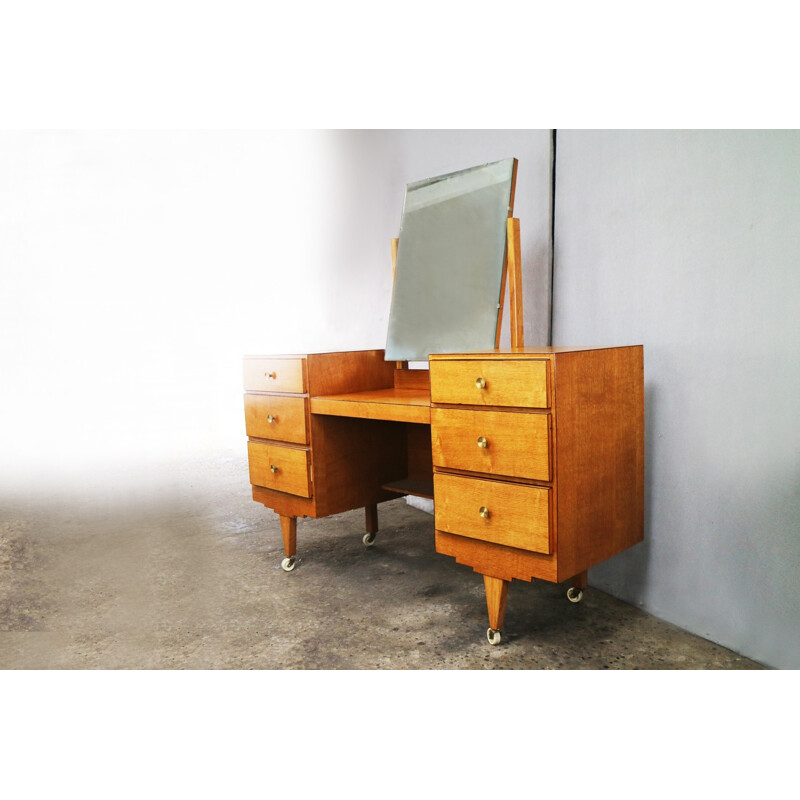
<point x="275" y="416"/>
<point x="520" y="383"/>
<point x="516" y="445"/>
<point x="279" y="467"/>
<point x="274" y="374"/>
<point x="515" y="514"/>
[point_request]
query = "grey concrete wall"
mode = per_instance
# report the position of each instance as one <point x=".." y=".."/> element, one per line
<point x="688" y="242"/>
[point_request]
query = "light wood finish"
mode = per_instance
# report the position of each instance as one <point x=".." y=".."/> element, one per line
<point x="600" y="455"/>
<point x="490" y="442"/>
<point x="289" y="533"/>
<point x="274" y="374"/>
<point x="504" y="278"/>
<point x="497" y="560"/>
<point x="520" y="383"/>
<point x="284" y="469"/>
<point x="271" y="416"/>
<point x="597" y="465"/>
<point x="352" y="459"/>
<point x="356" y="371"/>
<point x="515" y="283"/>
<point x="399" y="405"/>
<point x="511" y="514"/>
<point x="505" y="353"/>
<point x="561" y="478"/>
<point x="502" y="302"/>
<point x="413" y="379"/>
<point x="496" y="596"/>
<point x="394" y="246"/>
<point x="283" y="504"/>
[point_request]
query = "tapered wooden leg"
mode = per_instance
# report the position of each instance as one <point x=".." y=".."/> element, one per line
<point x="578" y="583"/>
<point x="371" y="514"/>
<point x="371" y="519"/>
<point x="289" y="532"/>
<point x="581" y="580"/>
<point x="496" y="594"/>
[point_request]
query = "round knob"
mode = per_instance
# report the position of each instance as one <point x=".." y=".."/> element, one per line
<point x="484" y="512"/>
<point x="273" y="468"/>
<point x="270" y="418"/>
<point x="483" y="442"/>
<point x="271" y="375"/>
<point x="480" y="383"/>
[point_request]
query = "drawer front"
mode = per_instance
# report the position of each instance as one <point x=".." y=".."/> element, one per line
<point x="274" y="416"/>
<point x="491" y="382"/>
<point x="274" y="375"/>
<point x="495" y="442"/>
<point x="503" y="513"/>
<point x="284" y="469"/>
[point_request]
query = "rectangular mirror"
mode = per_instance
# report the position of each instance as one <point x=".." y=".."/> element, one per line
<point x="450" y="257"/>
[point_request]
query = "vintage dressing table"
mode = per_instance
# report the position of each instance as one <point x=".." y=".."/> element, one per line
<point x="533" y="456"/>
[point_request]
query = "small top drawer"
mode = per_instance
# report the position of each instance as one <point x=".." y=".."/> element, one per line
<point x="274" y="375"/>
<point x="521" y="383"/>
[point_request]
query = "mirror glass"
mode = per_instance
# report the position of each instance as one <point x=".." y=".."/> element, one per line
<point x="450" y="262"/>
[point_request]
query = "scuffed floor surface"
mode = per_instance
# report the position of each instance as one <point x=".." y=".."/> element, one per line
<point x="189" y="577"/>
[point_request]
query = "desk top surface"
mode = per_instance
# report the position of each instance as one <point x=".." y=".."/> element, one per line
<point x="401" y="405"/>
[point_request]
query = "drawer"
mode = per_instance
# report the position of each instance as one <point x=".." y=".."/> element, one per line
<point x="495" y="442"/>
<point x="275" y="416"/>
<point x="284" y="469"/>
<point x="504" y="513"/>
<point x="519" y="383"/>
<point x="274" y="375"/>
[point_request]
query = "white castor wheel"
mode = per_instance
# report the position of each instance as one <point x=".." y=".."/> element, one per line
<point x="574" y="595"/>
<point x="493" y="636"/>
<point x="369" y="539"/>
<point x="288" y="564"/>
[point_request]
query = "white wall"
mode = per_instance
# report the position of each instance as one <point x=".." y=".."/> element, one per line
<point x="135" y="271"/>
<point x="137" y="268"/>
<point x="687" y="242"/>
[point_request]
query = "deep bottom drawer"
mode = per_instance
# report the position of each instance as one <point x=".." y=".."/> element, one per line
<point x="492" y="511"/>
<point x="284" y="469"/>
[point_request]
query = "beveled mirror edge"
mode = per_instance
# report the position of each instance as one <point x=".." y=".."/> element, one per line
<point x="396" y="243"/>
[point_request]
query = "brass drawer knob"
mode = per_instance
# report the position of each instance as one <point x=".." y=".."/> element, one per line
<point x="273" y="468"/>
<point x="271" y="375"/>
<point x="484" y="512"/>
<point x="483" y="442"/>
<point x="270" y="418"/>
<point x="480" y="383"/>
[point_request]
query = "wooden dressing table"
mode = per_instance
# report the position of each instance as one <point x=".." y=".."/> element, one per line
<point x="533" y="456"/>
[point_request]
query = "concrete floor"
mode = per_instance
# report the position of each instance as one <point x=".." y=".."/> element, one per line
<point x="189" y="578"/>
